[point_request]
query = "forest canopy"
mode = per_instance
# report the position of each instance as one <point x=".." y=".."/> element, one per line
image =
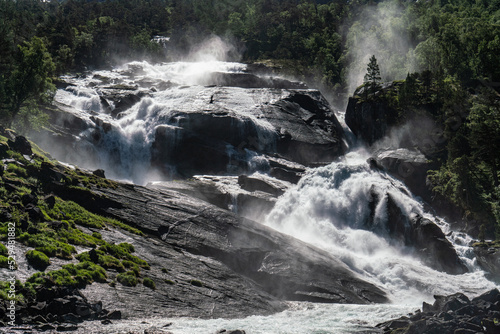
<point x="446" y="47"/>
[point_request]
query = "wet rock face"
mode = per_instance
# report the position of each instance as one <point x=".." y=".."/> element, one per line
<point x="299" y="126"/>
<point x="243" y="267"/>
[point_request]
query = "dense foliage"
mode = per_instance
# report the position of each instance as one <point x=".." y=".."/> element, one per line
<point x="450" y="46"/>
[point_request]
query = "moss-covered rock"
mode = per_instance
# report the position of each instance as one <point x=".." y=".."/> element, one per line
<point x="37" y="259"/>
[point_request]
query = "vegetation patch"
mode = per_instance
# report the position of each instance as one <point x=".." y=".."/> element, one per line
<point x="148" y="282"/>
<point x="128" y="278"/>
<point x="71" y="275"/>
<point x="37" y="259"/>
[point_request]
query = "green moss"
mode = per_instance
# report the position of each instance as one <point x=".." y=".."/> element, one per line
<point x="127" y="279"/>
<point x="44" y="242"/>
<point x="164" y="270"/>
<point x="5" y="291"/>
<point x="37" y="259"/>
<point x="122" y="251"/>
<point x="4" y="262"/>
<point x="169" y="282"/>
<point x="196" y="283"/>
<point x="17" y="170"/>
<point x="148" y="282"/>
<point x="3" y="250"/>
<point x="132" y="266"/>
<point x="71" y="275"/>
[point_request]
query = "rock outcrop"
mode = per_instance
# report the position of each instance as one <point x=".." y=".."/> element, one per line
<point x="370" y="120"/>
<point x="488" y="258"/>
<point x="451" y="314"/>
<point x="420" y="234"/>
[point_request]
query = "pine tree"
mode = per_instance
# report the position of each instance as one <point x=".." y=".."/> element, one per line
<point x="372" y="77"/>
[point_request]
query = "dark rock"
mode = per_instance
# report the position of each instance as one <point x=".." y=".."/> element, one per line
<point x="489" y="260"/>
<point x="106" y="322"/>
<point x="450" y="303"/>
<point x="450" y="314"/>
<point x="248" y="261"/>
<point x="46" y="327"/>
<point x="114" y="315"/>
<point x="71" y="318"/>
<point x="50" y="200"/>
<point x="66" y="328"/>
<point x="435" y="250"/>
<point x="3" y="150"/>
<point x="409" y="166"/>
<point x="39" y="319"/>
<point x="491" y="296"/>
<point x="491" y="326"/>
<point x="59" y="306"/>
<point x="370" y="121"/>
<point x="34" y="212"/>
<point x="464" y="331"/>
<point x="235" y="331"/>
<point x="21" y="145"/>
<point x="250" y="183"/>
<point x="424" y="236"/>
<point x="99" y="173"/>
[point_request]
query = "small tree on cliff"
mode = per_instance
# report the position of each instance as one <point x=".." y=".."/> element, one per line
<point x="372" y="77"/>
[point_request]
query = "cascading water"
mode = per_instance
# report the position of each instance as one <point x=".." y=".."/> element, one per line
<point x="121" y="141"/>
<point x="330" y="208"/>
<point x="341" y="208"/>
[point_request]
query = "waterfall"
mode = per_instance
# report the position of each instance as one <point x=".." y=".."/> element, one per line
<point x="120" y="138"/>
<point x="330" y="208"/>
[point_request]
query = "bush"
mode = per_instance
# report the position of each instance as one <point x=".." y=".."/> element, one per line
<point x="127" y="279"/>
<point x="37" y="259"/>
<point x="148" y="282"/>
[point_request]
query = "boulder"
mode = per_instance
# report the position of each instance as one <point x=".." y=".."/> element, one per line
<point x="409" y="166"/>
<point x="370" y="121"/>
<point x="488" y="258"/>
<point x="21" y="145"/>
<point x="424" y="236"/>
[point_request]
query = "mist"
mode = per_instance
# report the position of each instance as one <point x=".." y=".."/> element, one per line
<point x="380" y="31"/>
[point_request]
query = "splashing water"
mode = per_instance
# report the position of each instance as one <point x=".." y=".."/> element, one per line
<point x="329" y="208"/>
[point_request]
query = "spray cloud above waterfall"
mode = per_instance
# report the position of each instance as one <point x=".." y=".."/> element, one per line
<point x="380" y="31"/>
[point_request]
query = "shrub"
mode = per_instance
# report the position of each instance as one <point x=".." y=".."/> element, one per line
<point x="148" y="282"/>
<point x="37" y="259"/>
<point x="127" y="279"/>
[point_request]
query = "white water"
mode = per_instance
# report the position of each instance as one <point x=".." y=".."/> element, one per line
<point x="328" y="209"/>
<point x="300" y="318"/>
